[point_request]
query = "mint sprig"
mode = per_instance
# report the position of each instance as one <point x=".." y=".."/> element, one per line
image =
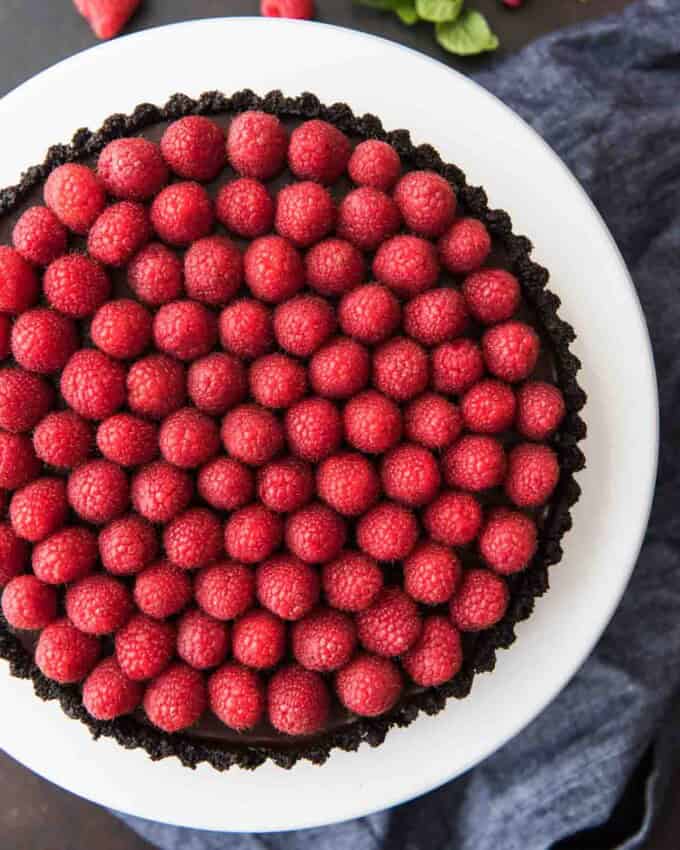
<point x="439" y="11"/>
<point x="407" y="12"/>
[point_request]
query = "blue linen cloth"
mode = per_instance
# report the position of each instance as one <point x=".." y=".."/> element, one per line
<point x="606" y="96"/>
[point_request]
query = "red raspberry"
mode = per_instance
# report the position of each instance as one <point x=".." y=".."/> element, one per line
<point x="176" y="699"/>
<point x="19" y="285"/>
<point x="162" y="590"/>
<point x="324" y="640"/>
<point x="436" y="656"/>
<point x="225" y="484"/>
<point x="334" y="267"/>
<point x="226" y="590"/>
<point x="217" y="382"/>
<point x="246" y="328"/>
<point x="391" y="625"/>
<point x="5" y="334"/>
<point x="453" y="519"/>
<point x="475" y="463"/>
<point x="508" y="541"/>
<point x="305" y="213"/>
<point x="194" y="148"/>
<point x="339" y="369"/>
<point x="24" y="399"/>
<point x="410" y="475"/>
<point x="98" y="605"/>
<point x="298" y="702"/>
<point x="492" y="295"/>
<point x="400" y="368"/>
<point x="375" y="164"/>
<point x="370" y="313"/>
<point x="127" y="440"/>
<point x="277" y="380"/>
<point x="119" y="232"/>
<point x="144" y="647"/>
<point x="98" y="491"/>
<point x="63" y="439"/>
<point x="66" y="556"/>
<point x="156" y="386"/>
<point x="465" y="246"/>
<point x="432" y="421"/>
<point x="431" y="573"/>
<point x="18" y="463"/>
<point x="480" y="601"/>
<point x="132" y="169"/>
<point x="426" y="201"/>
<point x="303" y="324"/>
<point x="201" y="641"/>
<point x="533" y="473"/>
<point x="188" y="438"/>
<point x="27" y="603"/>
<point x="511" y="350"/>
<point x="13" y="553"/>
<point x="273" y="269"/>
<point x="318" y="151"/>
<point x="213" y="270"/>
<point x="39" y="237"/>
<point x="313" y="429"/>
<point x="540" y="410"/>
<point x="407" y="264"/>
<point x="435" y="316"/>
<point x="372" y="422"/>
<point x="352" y="581"/>
<point x="369" y="685"/>
<point x="127" y="545"/>
<point x="43" y="341"/>
<point x="75" y="196"/>
<point x="160" y="491"/>
<point x="108" y="693"/>
<point x="245" y="207"/>
<point x="184" y="329"/>
<point x="252" y="434"/>
<point x="300" y="9"/>
<point x="348" y="483"/>
<point x="388" y="532"/>
<point x="258" y="639"/>
<point x="257" y="144"/>
<point x="252" y="534"/>
<point x="367" y="217"/>
<point x="65" y="654"/>
<point x="182" y="213"/>
<point x="488" y="407"/>
<point x="315" y="533"/>
<point x="456" y="366"/>
<point x="106" y="18"/>
<point x="155" y="275"/>
<point x="287" y="587"/>
<point x="93" y="384"/>
<point x="39" y="509"/>
<point x="285" y="485"/>
<point x="76" y="285"/>
<point x="193" y="539"/>
<point x="121" y="329"/>
<point x="236" y="696"/>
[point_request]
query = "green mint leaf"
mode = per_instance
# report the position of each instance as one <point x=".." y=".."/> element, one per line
<point x="439" y="11"/>
<point x="406" y="10"/>
<point x="383" y="5"/>
<point x="467" y="35"/>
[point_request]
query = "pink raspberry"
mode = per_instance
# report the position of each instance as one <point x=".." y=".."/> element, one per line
<point x="305" y="213"/>
<point x="43" y="341"/>
<point x="540" y="410"/>
<point x="39" y="509"/>
<point x="533" y="473"/>
<point x="225" y="590"/>
<point x="29" y="604"/>
<point x="348" y="483"/>
<point x="352" y="581"/>
<point x="313" y="429"/>
<point x="258" y="639"/>
<point x="287" y="587"/>
<point x="217" y="382"/>
<point x="39" y="237"/>
<point x="475" y="463"/>
<point x="374" y="164"/>
<point x="303" y="324"/>
<point x="65" y="556"/>
<point x="246" y="328"/>
<point x="201" y="641"/>
<point x="76" y="285"/>
<point x="407" y="264"/>
<point x="391" y="625"/>
<point x="324" y="640"/>
<point x="98" y="604"/>
<point x="108" y="693"/>
<point x="127" y="440"/>
<point x="508" y="541"/>
<point x="24" y="399"/>
<point x="144" y="647"/>
<point x="155" y="274"/>
<point x="184" y="329"/>
<point x="13" y="554"/>
<point x="436" y="316"/>
<point x="367" y="217"/>
<point x="318" y="151"/>
<point x="119" y="233"/>
<point x="436" y="656"/>
<point x="465" y="246"/>
<point x="426" y="201"/>
<point x="372" y="422"/>
<point x="488" y="407"/>
<point x="156" y="386"/>
<point x="273" y="269"/>
<point x="98" y="491"/>
<point x="182" y="213"/>
<point x="252" y="534"/>
<point x="245" y="207"/>
<point x="388" y="532"/>
<point x="193" y="539"/>
<point x="160" y="491"/>
<point x="492" y="295"/>
<point x="334" y="267"/>
<point x="339" y="369"/>
<point x="252" y="434"/>
<point x="127" y="545"/>
<point x="63" y="439"/>
<point x="410" y="475"/>
<point x="75" y="196"/>
<point x="315" y="533"/>
<point x="456" y="366"/>
<point x="298" y="702"/>
<point x="194" y="148"/>
<point x="132" y="169"/>
<point x="188" y="438"/>
<point x="213" y="270"/>
<point x="285" y="485"/>
<point x="277" y="380"/>
<point x="433" y="421"/>
<point x="257" y="144"/>
<point x="65" y="654"/>
<point x="176" y="699"/>
<point x="20" y="286"/>
<point x="431" y="573"/>
<point x="511" y="350"/>
<point x="400" y="369"/>
<point x="480" y="601"/>
<point x="236" y="696"/>
<point x="162" y="590"/>
<point x="370" y="313"/>
<point x="93" y="384"/>
<point x="369" y="685"/>
<point x="453" y="519"/>
<point x="121" y="329"/>
<point x="300" y="9"/>
<point x="18" y="462"/>
<point x="225" y="484"/>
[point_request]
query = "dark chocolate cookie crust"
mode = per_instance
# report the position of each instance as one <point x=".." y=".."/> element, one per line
<point x="525" y="587"/>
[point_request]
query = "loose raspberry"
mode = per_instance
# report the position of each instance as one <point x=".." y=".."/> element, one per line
<point x="315" y="533"/>
<point x="107" y="19"/>
<point x="119" y="232"/>
<point x="400" y="369"/>
<point x="13" y="554"/>
<point x="298" y="702"/>
<point x="201" y="641"/>
<point x="305" y="213"/>
<point x="492" y="295"/>
<point x="121" y="329"/>
<point x="226" y="590"/>
<point x="340" y="369"/>
<point x="390" y="625"/>
<point x="370" y="313"/>
<point x="144" y="647"/>
<point x="277" y="380"/>
<point x="480" y="601"/>
<point x="257" y="144"/>
<point x="372" y="422"/>
<point x="43" y="341"/>
<point x="352" y="581"/>
<point x="258" y="639"/>
<point x="285" y="485"/>
<point x="367" y="217"/>
<point x="19" y="285"/>
<point x="182" y="213"/>
<point x="313" y="429"/>
<point x="39" y="509"/>
<point x="273" y="269"/>
<point x="98" y="491"/>
<point x="246" y="328"/>
<point x="287" y="587"/>
<point x="160" y="491"/>
<point x="431" y="573"/>
<point x="213" y="270"/>
<point x="29" y="604"/>
<point x="436" y="656"/>
<point x="533" y="473"/>
<point x="426" y="201"/>
<point x="303" y="324"/>
<point x="65" y="556"/>
<point x="407" y="264"/>
<point x="488" y="407"/>
<point x="252" y="434"/>
<point x="75" y="196"/>
<point x="5" y="335"/>
<point x="194" y="148"/>
<point x="436" y="316"/>
<point x="98" y="605"/>
<point x="24" y="399"/>
<point x="193" y="539"/>
<point x="369" y="685"/>
<point x="388" y="532"/>
<point x="508" y="541"/>
<point x="432" y="421"/>
<point x="511" y="350"/>
<point x="132" y="169"/>
<point x="63" y="439"/>
<point x="252" y="534"/>
<point x="127" y="440"/>
<point x="465" y="246"/>
<point x="540" y="410"/>
<point x="300" y="9"/>
<point x="236" y="696"/>
<point x="108" y="693"/>
<point x="410" y="475"/>
<point x="216" y="383"/>
<point x="76" y="285"/>
<point x="127" y="545"/>
<point x="65" y="654"/>
<point x="162" y="590"/>
<point x="39" y="236"/>
<point x="318" y="151"/>
<point x="453" y="519"/>
<point x="155" y="275"/>
<point x="475" y="463"/>
<point x="375" y="164"/>
<point x="156" y="386"/>
<point x="456" y="366"/>
<point x="176" y="699"/>
<point x="184" y="329"/>
<point x="188" y="438"/>
<point x="334" y="267"/>
<point x="324" y="640"/>
<point x="225" y="484"/>
<point x="18" y="463"/>
<point x="93" y="384"/>
<point x="245" y="207"/>
<point x="348" y="483"/>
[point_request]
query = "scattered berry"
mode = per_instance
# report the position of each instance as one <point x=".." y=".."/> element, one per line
<point x="348" y="483"/>
<point x="65" y="654"/>
<point x="19" y="285"/>
<point x="436" y="656"/>
<point x="13" y="554"/>
<point x="257" y="144"/>
<point x="334" y="267"/>
<point x="65" y="556"/>
<point x="76" y="285"/>
<point x="456" y="366"/>
<point x="182" y="213"/>
<point x="246" y="328"/>
<point x="252" y="434"/>
<point x="465" y="246"/>
<point x="374" y="164"/>
<point x="453" y="519"/>
<point x="433" y="421"/>
<point x="480" y="601"/>
<point x="39" y="237"/>
<point x="400" y="368"/>
<point x="155" y="275"/>
<point x="156" y="386"/>
<point x="160" y="491"/>
<point x="287" y="587"/>
<point x="298" y="702"/>
<point x="372" y="422"/>
<point x="488" y="407"/>
<point x="533" y="473"/>
<point x="285" y="485"/>
<point x="225" y="484"/>
<point x="259" y="639"/>
<point x="98" y="491"/>
<point x="410" y="475"/>
<point x="367" y="217"/>
<point x="511" y="350"/>
<point x="369" y="314"/>
<point x="144" y="647"/>
<point x="18" y="462"/>
<point x="436" y="316"/>
<point x="245" y="207"/>
<point x="127" y="440"/>
<point x="98" y="604"/>
<point x="540" y="410"/>
<point x="201" y="641"/>
<point x="313" y="429"/>
<point x="340" y="369"/>
<point x="324" y="640"/>
<point x="127" y="545"/>
<point x="132" y="169"/>
<point x="407" y="264"/>
<point x="75" y="196"/>
<point x="492" y="295"/>
<point x="315" y="533"/>
<point x="352" y="581"/>
<point x="188" y="438"/>
<point x="93" y="384"/>
<point x="24" y="399"/>
<point x="318" y="151"/>
<point x="119" y="232"/>
<point x="176" y="699"/>
<point x="369" y="685"/>
<point x="107" y="18"/>
<point x="475" y="463"/>
<point x="252" y="534"/>
<point x="184" y="329"/>
<point x="431" y="573"/>
<point x="162" y="590"/>
<point x="193" y="539"/>
<point x="108" y="693"/>
<point x="236" y="696"/>
<point x="194" y="148"/>
<point x="273" y="269"/>
<point x="300" y="9"/>
<point x="426" y="201"/>
<point x="303" y="324"/>
<point x="216" y="383"/>
<point x="226" y="590"/>
<point x="277" y="380"/>
<point x="213" y="270"/>
<point x="27" y="603"/>
<point x="121" y="329"/>
<point x="388" y="532"/>
<point x="39" y="509"/>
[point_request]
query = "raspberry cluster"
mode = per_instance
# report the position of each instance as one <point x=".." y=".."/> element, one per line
<point x="268" y="477"/>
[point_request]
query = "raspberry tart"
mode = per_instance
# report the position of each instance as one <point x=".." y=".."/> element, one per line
<point x="288" y="429"/>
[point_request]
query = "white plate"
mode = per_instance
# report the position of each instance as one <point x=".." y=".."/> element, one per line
<point x="465" y="123"/>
